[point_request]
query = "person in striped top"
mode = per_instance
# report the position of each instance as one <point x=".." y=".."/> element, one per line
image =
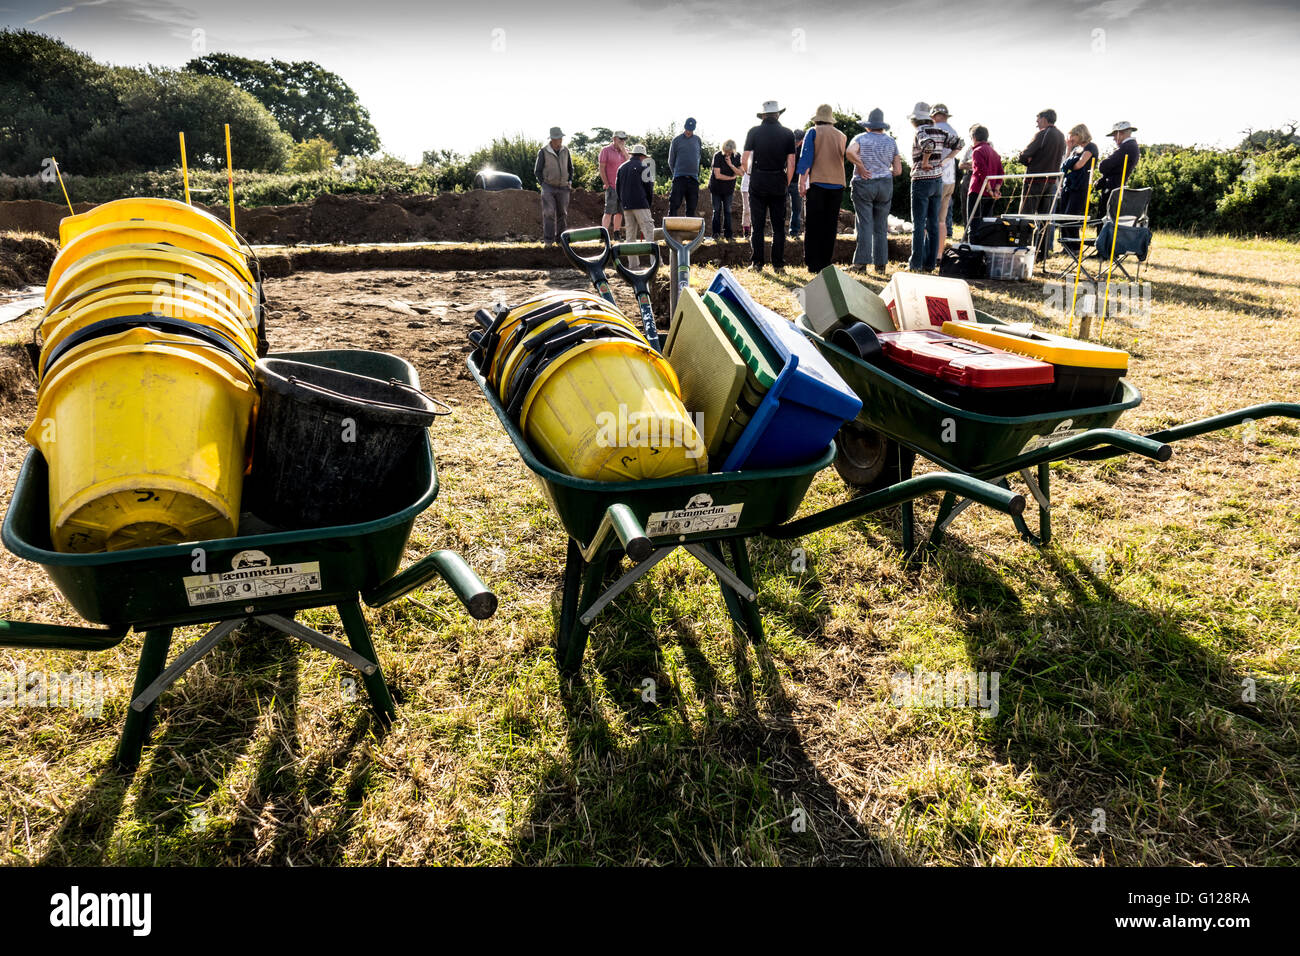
<point x="876" y="161"/>
<point x="931" y="146"/>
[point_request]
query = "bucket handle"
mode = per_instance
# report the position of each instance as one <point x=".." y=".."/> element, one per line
<point x="294" y="380"/>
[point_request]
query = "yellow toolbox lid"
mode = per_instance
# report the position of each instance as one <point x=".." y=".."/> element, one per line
<point x="1044" y="346"/>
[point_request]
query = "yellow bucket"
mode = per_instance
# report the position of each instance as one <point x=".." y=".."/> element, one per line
<point x="512" y="354"/>
<point x="151" y="297"/>
<point x="129" y="305"/>
<point x="511" y="328"/>
<point x="611" y="410"/>
<point x="141" y="259"/>
<point x="154" y="210"/>
<point x="145" y="444"/>
<point x="145" y="231"/>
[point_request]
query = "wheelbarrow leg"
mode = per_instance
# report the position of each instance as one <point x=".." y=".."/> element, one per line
<point x="1041" y="492"/>
<point x="153" y="658"/>
<point x="750" y="620"/>
<point x="570" y="596"/>
<point x="354" y="623"/>
<point x="908" y="508"/>
<point x="571" y="642"/>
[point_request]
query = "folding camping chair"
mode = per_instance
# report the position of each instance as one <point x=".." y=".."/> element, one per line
<point x="1133" y="241"/>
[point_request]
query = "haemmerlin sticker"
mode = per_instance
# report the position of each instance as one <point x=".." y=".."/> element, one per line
<point x="252" y="576"/>
<point x="699" y="515"/>
<point x="1061" y="431"/>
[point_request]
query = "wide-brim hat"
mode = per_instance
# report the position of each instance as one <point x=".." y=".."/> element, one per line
<point x="876" y="119"/>
<point x="556" y="133"/>
<point x="1120" y="127"/>
<point x="921" y="111"/>
<point x="770" y="106"/>
<point x="638" y="149"/>
<point x="824" y="114"/>
<point x="938" y="108"/>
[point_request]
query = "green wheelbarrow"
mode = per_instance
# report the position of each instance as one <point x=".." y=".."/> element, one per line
<point x="264" y="576"/>
<point x="898" y="422"/>
<point x="648" y="520"/>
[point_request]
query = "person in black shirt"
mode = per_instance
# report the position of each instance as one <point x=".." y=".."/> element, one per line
<point x="1112" y="167"/>
<point x="771" y="147"/>
<point x="722" y="186"/>
<point x="1077" y="171"/>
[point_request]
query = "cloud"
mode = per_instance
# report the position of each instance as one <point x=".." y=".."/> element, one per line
<point x="68" y="9"/>
<point x="1114" y="9"/>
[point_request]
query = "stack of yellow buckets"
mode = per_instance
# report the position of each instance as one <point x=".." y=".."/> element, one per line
<point x="590" y="393"/>
<point x="149" y="337"/>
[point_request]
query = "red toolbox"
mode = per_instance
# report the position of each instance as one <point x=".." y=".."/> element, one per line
<point x="966" y="374"/>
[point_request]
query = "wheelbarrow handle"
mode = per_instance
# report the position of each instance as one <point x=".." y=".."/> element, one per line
<point x="451" y="567"/>
<point x="999" y="499"/>
<point x="60" y="636"/>
<point x="622" y="522"/>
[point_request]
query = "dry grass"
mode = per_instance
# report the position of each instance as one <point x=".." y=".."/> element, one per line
<point x="1122" y="651"/>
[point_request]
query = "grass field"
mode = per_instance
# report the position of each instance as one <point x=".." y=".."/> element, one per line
<point x="1148" y="660"/>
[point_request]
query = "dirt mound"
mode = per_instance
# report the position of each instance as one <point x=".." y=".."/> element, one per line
<point x="17" y="383"/>
<point x="25" y="260"/>
<point x="475" y="216"/>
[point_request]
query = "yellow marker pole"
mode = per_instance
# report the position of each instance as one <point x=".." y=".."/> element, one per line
<point x="1119" y="207"/>
<point x="1083" y="234"/>
<point x="185" y="171"/>
<point x="230" y="180"/>
<point x="59" y="173"/>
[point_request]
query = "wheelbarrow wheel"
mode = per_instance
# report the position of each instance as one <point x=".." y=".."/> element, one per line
<point x="868" y="460"/>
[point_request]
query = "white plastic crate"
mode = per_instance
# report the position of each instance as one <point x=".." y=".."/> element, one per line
<point x="1009" y="262"/>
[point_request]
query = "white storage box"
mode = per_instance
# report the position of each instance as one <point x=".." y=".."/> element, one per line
<point x="1009" y="262"/>
<point x="917" y="302"/>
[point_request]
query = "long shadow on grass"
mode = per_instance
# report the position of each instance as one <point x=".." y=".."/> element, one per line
<point x="1119" y="709"/>
<point x="648" y="782"/>
<point x="205" y="731"/>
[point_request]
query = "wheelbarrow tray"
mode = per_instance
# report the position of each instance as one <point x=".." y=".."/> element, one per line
<point x="740" y="504"/>
<point x="981" y="445"/>
<point x="168" y="586"/>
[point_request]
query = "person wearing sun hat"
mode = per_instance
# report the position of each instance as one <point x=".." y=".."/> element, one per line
<point x="876" y="161"/>
<point x="769" y="157"/>
<point x="821" y="182"/>
<point x="611" y="157"/>
<point x="931" y="146"/>
<point x="1112" y="167"/>
<point x="636" y="190"/>
<point x="939" y="114"/>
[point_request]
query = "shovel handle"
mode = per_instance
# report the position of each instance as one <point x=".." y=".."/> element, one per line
<point x="590" y="234"/>
<point x="626" y="250"/>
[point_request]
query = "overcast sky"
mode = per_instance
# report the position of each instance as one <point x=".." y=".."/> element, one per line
<point x="455" y="75"/>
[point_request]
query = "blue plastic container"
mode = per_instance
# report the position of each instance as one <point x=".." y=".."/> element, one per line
<point x="807" y="404"/>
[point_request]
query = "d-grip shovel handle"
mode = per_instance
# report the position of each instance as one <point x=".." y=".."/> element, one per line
<point x="594" y="267"/>
<point x="640" y="279"/>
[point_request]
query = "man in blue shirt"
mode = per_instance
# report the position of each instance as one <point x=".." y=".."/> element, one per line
<point x="684" y="156"/>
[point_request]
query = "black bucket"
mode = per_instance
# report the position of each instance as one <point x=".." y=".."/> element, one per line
<point x="327" y="444"/>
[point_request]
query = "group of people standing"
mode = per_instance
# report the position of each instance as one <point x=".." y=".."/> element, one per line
<point x="806" y="172"/>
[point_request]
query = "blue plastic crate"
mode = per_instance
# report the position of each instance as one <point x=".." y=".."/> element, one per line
<point x="804" y="407"/>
